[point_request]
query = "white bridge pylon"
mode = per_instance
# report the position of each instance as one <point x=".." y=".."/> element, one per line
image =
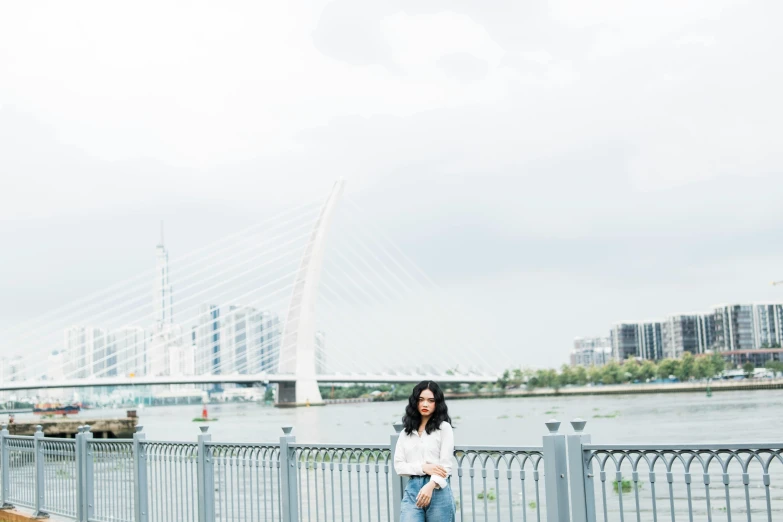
<point x="270" y="303"/>
<point x="297" y="354"/>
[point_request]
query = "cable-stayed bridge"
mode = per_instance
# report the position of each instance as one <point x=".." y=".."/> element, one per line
<point x="312" y="295"/>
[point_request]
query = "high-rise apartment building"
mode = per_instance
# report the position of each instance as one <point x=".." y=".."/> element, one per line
<point x="236" y="329"/>
<point x="164" y="350"/>
<point x="182" y="359"/>
<point x="734" y="327"/>
<point x="680" y="335"/>
<point x="167" y="346"/>
<point x="249" y="340"/>
<point x="643" y="340"/>
<point x="591" y="351"/>
<point x="767" y="324"/>
<point x="267" y="338"/>
<point x="237" y="339"/>
<point x="163" y="300"/>
<point x="728" y="328"/>
<point x="130" y="345"/>
<point x="12" y="369"/>
<point x="55" y="369"/>
<point x="625" y="341"/>
<point x="706" y="332"/>
<point x="207" y="340"/>
<point x="650" y="339"/>
<point x="88" y="353"/>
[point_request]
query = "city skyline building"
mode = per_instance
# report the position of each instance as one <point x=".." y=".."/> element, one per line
<point x="55" y="370"/>
<point x="734" y="327"/>
<point x="235" y="334"/>
<point x="207" y="339"/>
<point x="225" y="339"/>
<point x="12" y="369"/>
<point x="624" y="337"/>
<point x="182" y="360"/>
<point x="706" y="332"/>
<point x="680" y="335"/>
<point x="267" y="337"/>
<point x="591" y="351"/>
<point x="236" y="339"/>
<point x="167" y="348"/>
<point x="650" y="339"/>
<point x="85" y="354"/>
<point x="767" y="323"/>
<point x="130" y="343"/>
<point x="163" y="301"/>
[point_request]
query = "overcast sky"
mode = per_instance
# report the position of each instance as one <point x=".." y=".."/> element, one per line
<point x="555" y="166"/>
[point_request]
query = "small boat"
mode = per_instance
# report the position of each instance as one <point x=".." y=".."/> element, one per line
<point x="56" y="409"/>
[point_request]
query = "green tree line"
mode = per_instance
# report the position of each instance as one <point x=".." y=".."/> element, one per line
<point x="390" y="392"/>
<point x="686" y="368"/>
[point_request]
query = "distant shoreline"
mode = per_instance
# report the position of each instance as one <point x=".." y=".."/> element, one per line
<point x="629" y="389"/>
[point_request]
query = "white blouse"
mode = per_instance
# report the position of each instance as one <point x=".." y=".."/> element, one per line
<point x="413" y="451"/>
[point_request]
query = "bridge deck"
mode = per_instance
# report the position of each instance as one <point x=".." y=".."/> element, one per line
<point x="240" y="379"/>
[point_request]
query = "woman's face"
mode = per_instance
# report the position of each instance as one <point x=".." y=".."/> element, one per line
<point x="426" y="403"/>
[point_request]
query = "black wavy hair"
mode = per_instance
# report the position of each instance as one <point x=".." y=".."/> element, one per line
<point x="412" y="418"/>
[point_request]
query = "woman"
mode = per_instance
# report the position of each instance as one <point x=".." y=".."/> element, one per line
<point x="424" y="452"/>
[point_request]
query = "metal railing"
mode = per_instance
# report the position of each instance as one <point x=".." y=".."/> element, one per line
<point x="565" y="479"/>
<point x="651" y="482"/>
<point x="704" y="482"/>
<point x="247" y="481"/>
<point x="513" y="491"/>
<point x="60" y="476"/>
<point x="110" y="472"/>
<point x="21" y="471"/>
<point x="336" y="482"/>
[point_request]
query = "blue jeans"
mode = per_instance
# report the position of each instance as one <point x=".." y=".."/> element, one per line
<point x="441" y="509"/>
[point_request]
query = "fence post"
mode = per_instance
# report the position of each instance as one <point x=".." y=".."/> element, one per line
<point x="397" y="487"/>
<point x="81" y="515"/>
<point x="40" y="478"/>
<point x="288" y="488"/>
<point x="580" y="475"/>
<point x="89" y="474"/>
<point x="556" y="474"/>
<point x="206" y="478"/>
<point x="140" y="476"/>
<point x="5" y="466"/>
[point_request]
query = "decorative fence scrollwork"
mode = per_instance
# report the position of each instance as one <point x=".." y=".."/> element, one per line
<point x="703" y="482"/>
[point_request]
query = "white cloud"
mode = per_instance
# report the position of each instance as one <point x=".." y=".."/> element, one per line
<point x="559" y="130"/>
<point x="417" y="41"/>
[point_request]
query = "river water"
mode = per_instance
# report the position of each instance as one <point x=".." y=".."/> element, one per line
<point x="738" y="417"/>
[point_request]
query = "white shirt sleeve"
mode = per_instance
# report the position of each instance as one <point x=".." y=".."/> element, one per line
<point x="401" y="464"/>
<point x="446" y="453"/>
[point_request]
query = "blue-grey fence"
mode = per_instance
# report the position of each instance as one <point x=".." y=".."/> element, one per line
<point x="246" y="480"/>
<point x="565" y="479"/>
<point x="110" y="473"/>
<point x="20" y="489"/>
<point x="60" y="476"/>
<point x="500" y="484"/>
